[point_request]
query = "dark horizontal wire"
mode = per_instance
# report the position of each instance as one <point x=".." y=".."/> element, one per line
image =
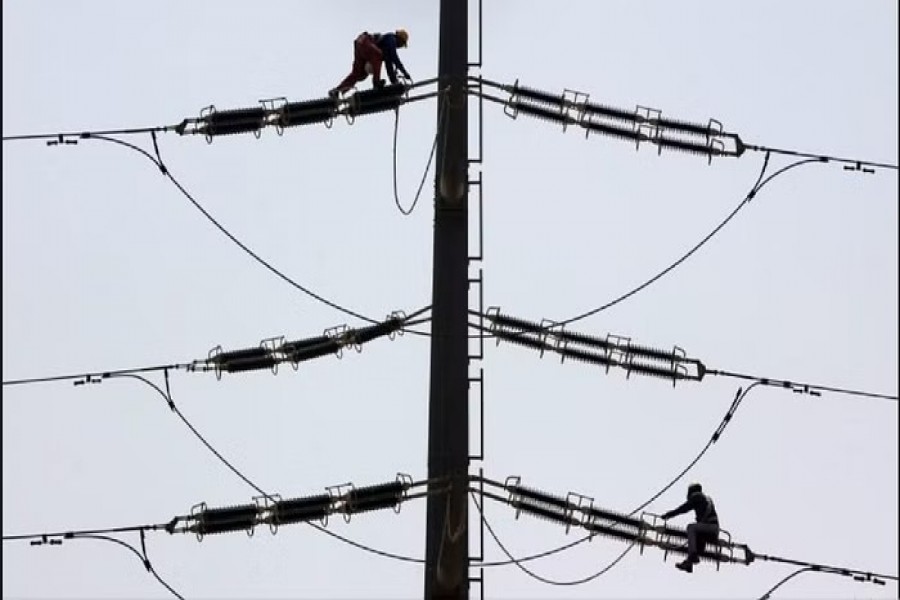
<point x="791" y="384"/>
<point x="86" y="532"/>
<point x="102" y="374"/>
<point x="132" y="372"/>
<point x="822" y="157"/>
<point x="825" y="568"/>
<point x="87" y="134"/>
<point x="81" y="532"/>
<point x="418" y="322"/>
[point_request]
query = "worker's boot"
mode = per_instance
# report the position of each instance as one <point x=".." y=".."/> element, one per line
<point x="378" y="84"/>
<point x="333" y="93"/>
<point x="687" y="565"/>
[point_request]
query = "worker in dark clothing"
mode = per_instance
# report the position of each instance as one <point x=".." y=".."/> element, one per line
<point x="370" y="50"/>
<point x="705" y="529"/>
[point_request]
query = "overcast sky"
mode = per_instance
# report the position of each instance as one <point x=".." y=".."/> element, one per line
<point x="106" y="265"/>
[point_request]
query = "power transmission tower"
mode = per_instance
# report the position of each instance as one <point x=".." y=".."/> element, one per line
<point x="447" y="540"/>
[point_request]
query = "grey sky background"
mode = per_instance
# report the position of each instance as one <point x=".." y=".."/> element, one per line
<point x="106" y="265"/>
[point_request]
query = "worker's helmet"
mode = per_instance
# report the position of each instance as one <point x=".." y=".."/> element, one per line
<point x="694" y="488"/>
<point x="403" y="37"/>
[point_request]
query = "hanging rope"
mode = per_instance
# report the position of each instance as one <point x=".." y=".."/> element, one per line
<point x="442" y="121"/>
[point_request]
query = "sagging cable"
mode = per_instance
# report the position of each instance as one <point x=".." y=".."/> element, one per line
<point x="100" y="535"/>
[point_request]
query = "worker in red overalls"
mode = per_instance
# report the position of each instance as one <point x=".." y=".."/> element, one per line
<point x="370" y="50"/>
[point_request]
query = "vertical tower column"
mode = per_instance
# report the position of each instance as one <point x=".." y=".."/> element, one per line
<point x="447" y="540"/>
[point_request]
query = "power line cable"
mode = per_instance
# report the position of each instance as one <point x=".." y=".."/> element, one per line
<point x="200" y="365"/>
<point x="810" y="388"/>
<point x="534" y="575"/>
<point x="729" y="415"/>
<point x="165" y="171"/>
<point x="857" y="164"/>
<point x="44" y="537"/>
<point x="248" y="250"/>
<point x="820" y="569"/>
<point x="40" y="539"/>
<point x="143" y="559"/>
<point x="807" y="567"/>
<point x="90" y="377"/>
<point x="157" y="161"/>
<point x="168" y="398"/>
<point x="167" y="395"/>
<point x="604" y="570"/>
<point x="531" y="557"/>
<point x="262" y="261"/>
<point x="60" y="136"/>
<point x="369" y="549"/>
<point x="857" y="574"/>
<point x="151" y="569"/>
<point x="760" y="183"/>
<point x="754" y="191"/>
<point x="768" y="594"/>
<point x="442" y="120"/>
<point x="717" y="434"/>
<point x="571" y="320"/>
